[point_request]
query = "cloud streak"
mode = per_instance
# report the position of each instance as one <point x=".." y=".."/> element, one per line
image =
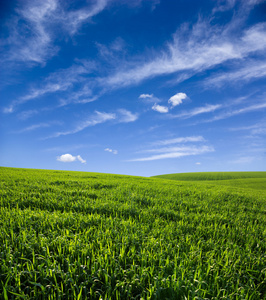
<point x="176" y="149"/>
<point x="251" y="71"/>
<point x="97" y="118"/>
<point x="178" y="140"/>
<point x="121" y="116"/>
<point x="59" y="81"/>
<point x="38" y="126"/>
<point x="243" y="110"/>
<point x="198" y="111"/>
<point x="175" y="152"/>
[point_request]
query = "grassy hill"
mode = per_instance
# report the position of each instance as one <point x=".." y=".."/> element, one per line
<point x="77" y="235"/>
<point x="200" y="176"/>
<point x="246" y="180"/>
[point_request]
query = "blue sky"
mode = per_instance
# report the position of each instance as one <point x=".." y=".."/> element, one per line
<point x="139" y="87"/>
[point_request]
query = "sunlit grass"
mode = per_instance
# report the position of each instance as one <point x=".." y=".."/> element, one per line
<point x="71" y="235"/>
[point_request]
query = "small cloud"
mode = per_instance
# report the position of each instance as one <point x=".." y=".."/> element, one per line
<point x="66" y="158"/>
<point x="70" y="158"/>
<point x="144" y="96"/>
<point x="126" y="116"/>
<point x="198" y="163"/>
<point x="177" y="99"/>
<point x="111" y="150"/>
<point x="160" y="108"/>
<point x="83" y="161"/>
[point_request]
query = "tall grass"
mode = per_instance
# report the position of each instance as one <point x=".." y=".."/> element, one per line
<point x="70" y="235"/>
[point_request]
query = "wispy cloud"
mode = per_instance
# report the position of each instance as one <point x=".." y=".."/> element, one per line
<point x="111" y="150"/>
<point x="30" y="39"/>
<point x="32" y="33"/>
<point x="26" y="114"/>
<point x="187" y="139"/>
<point x="195" y="49"/>
<point x="67" y="158"/>
<point x="198" y="111"/>
<point x="126" y="116"/>
<point x="174" y="152"/>
<point x="255" y="129"/>
<point x="38" y="126"/>
<point x="231" y="113"/>
<point x="74" y="19"/>
<point x="121" y="116"/>
<point x="177" y="149"/>
<point x="251" y="71"/>
<point x="97" y="118"/>
<point x="61" y="80"/>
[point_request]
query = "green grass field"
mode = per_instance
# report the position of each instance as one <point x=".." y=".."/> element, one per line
<point x="207" y="176"/>
<point x="243" y="180"/>
<point x="77" y="235"/>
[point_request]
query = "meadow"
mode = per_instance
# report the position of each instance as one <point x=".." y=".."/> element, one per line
<point x="78" y="235"/>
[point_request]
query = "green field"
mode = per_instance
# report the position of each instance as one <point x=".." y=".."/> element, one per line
<point x="207" y="176"/>
<point x="77" y="235"/>
<point x="243" y="180"/>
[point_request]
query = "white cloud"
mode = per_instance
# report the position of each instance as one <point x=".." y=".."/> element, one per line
<point x="66" y="158"/>
<point x="144" y="96"/>
<point x="231" y="113"/>
<point x="197" y="111"/>
<point x="194" y="50"/>
<point x="61" y="80"/>
<point x="160" y="108"/>
<point x="177" y="99"/>
<point x="97" y="118"/>
<point x="30" y="40"/>
<point x="83" y="161"/>
<point x="111" y="150"/>
<point x="180" y="140"/>
<point x="121" y="116"/>
<point x="173" y="152"/>
<point x="74" y="19"/>
<point x="198" y="163"/>
<point x="125" y="116"/>
<point x="250" y="71"/>
<point x="32" y="33"/>
<point x="180" y="149"/>
<point x="176" y="151"/>
<point x="70" y="158"/>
